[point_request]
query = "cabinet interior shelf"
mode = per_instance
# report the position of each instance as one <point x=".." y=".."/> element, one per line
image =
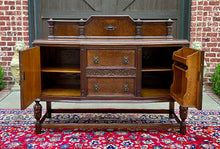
<point x="60" y="69"/>
<point x="149" y="69"/>
<point x="154" y="92"/>
<point x="61" y="92"/>
<point x="145" y="92"/>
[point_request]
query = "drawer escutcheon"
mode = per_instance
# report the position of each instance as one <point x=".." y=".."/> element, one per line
<point x="96" y="60"/>
<point x="126" y="60"/>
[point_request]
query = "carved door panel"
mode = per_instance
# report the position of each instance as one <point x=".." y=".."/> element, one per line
<point x="30" y="73"/>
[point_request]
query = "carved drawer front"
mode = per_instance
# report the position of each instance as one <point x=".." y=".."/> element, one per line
<point x="111" y="57"/>
<point x="111" y="86"/>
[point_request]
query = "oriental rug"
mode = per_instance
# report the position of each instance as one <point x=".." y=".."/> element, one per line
<point x="18" y="131"/>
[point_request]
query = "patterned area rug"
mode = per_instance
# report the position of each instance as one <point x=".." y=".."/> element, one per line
<point x="18" y="131"/>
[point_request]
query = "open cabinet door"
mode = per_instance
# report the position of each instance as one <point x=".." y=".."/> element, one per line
<point x="30" y="75"/>
<point x="188" y="77"/>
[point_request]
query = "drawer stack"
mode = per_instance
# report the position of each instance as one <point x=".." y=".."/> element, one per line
<point x="111" y="71"/>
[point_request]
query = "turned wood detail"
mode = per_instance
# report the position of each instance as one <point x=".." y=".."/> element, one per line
<point x="37" y="115"/>
<point x="138" y="27"/>
<point x="48" y="109"/>
<point x="51" y="27"/>
<point x="169" y="28"/>
<point x="183" y="116"/>
<point x="171" y="111"/>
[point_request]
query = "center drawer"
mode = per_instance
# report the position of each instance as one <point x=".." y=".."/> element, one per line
<point x="111" y="86"/>
<point x="111" y="57"/>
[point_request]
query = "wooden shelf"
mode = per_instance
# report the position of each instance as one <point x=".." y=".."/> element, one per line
<point x="150" y="69"/>
<point x="60" y="69"/>
<point x="154" y="92"/>
<point x="61" y="92"/>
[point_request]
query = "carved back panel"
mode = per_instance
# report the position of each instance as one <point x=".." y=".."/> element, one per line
<point x="137" y="9"/>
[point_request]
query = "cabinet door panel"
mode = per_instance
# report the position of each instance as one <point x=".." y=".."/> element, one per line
<point x="188" y="72"/>
<point x="30" y="76"/>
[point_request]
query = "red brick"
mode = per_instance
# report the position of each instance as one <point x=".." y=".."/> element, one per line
<point x="211" y="44"/>
<point x="9" y="2"/>
<point x="2" y="23"/>
<point x="212" y="34"/>
<point x="207" y="8"/>
<point x="12" y="8"/>
<point x="10" y="43"/>
<point x="215" y="60"/>
<point x="25" y="3"/>
<point x="205" y="3"/>
<point x="6" y="58"/>
<point x="18" y="2"/>
<point x="218" y="55"/>
<point x="215" y="49"/>
<point x="4" y="18"/>
<point x="25" y="18"/>
<point x="18" y="7"/>
<point x="10" y="12"/>
<point x="214" y="3"/>
<point x="4" y="7"/>
<point x="216" y="18"/>
<point x="10" y="53"/>
<point x="210" y="55"/>
<point x="206" y="49"/>
<point x="3" y="63"/>
<point x="207" y="29"/>
<point x="207" y="59"/>
<point x="200" y="8"/>
<point x="6" y="38"/>
<point x="2" y="43"/>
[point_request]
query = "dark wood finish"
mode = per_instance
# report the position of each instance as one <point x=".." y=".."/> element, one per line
<point x="183" y="116"/>
<point x="37" y="115"/>
<point x="112" y="68"/>
<point x="111" y="86"/>
<point x="108" y="25"/>
<point x="104" y="57"/>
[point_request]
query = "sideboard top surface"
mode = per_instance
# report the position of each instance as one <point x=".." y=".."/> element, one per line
<point x="111" y="42"/>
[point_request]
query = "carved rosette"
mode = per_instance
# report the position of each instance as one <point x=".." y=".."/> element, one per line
<point x="120" y="72"/>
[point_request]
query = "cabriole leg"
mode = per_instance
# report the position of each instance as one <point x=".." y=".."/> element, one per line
<point x="37" y="115"/>
<point x="171" y="110"/>
<point x="183" y="116"/>
<point x="48" y="109"/>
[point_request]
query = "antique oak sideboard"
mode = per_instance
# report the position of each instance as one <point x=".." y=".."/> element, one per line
<point x="111" y="59"/>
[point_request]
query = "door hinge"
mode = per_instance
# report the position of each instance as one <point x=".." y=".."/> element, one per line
<point x="23" y="76"/>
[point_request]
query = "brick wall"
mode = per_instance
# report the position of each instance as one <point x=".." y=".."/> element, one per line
<point x="205" y="28"/>
<point x="13" y="27"/>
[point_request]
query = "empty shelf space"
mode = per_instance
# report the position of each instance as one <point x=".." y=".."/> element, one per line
<point x="148" y="69"/>
<point x="60" y="69"/>
<point x="154" y="92"/>
<point x="61" y="92"/>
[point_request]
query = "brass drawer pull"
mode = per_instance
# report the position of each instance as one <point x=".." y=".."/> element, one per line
<point x="125" y="87"/>
<point x="126" y="60"/>
<point x="96" y="60"/>
<point x="96" y="87"/>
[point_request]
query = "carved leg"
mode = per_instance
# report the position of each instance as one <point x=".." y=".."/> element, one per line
<point x="48" y="109"/>
<point x="183" y="116"/>
<point x="171" y="111"/>
<point x="37" y="115"/>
